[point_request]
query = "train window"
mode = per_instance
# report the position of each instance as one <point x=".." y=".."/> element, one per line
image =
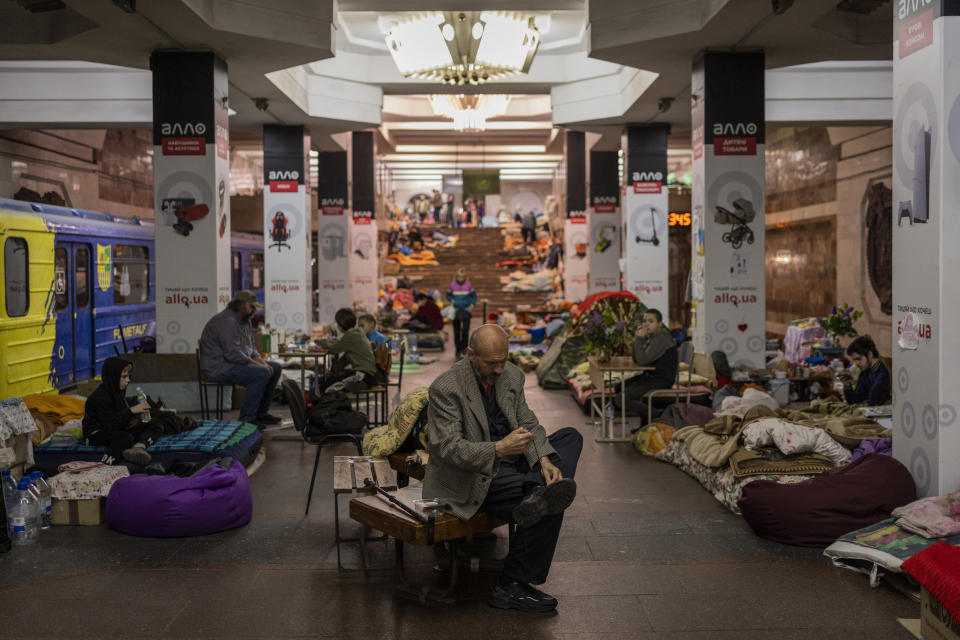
<point x="256" y="271"/>
<point x="82" y="266"/>
<point x="130" y="252"/>
<point x="16" y="277"/>
<point x="61" y="288"/>
<point x="131" y="274"/>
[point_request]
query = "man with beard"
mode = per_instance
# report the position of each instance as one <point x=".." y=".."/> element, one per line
<point x="227" y="355"/>
<point x="488" y="452"/>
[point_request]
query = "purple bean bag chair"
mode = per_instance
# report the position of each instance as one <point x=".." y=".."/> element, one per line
<point x="215" y="499"/>
<point x="815" y="512"/>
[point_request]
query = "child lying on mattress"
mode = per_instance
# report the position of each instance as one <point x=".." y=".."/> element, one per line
<point x="109" y="421"/>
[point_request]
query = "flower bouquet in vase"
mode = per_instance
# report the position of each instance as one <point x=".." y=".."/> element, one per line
<point x="839" y="324"/>
<point x="605" y="335"/>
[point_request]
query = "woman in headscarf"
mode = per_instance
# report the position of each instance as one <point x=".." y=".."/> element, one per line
<point x="110" y="421"/>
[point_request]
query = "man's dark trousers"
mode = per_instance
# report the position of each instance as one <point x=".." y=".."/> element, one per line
<point x="531" y="548"/>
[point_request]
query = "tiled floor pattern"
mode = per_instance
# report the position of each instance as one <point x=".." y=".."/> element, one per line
<point x="645" y="554"/>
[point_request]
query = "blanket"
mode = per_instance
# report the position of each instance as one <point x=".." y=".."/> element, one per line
<point x="793" y="438"/>
<point x="938" y="569"/>
<point x="933" y="517"/>
<point x="58" y="409"/>
<point x="771" y="460"/>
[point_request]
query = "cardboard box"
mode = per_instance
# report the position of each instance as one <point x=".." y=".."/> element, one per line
<point x="936" y="623"/>
<point x="82" y="512"/>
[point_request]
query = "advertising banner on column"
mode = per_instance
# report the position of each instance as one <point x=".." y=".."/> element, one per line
<point x="926" y="164"/>
<point x="191" y="197"/>
<point x="646" y="216"/>
<point x="363" y="231"/>
<point x="729" y="205"/>
<point x="333" y="239"/>
<point x="576" y="235"/>
<point x="286" y="223"/>
<point x="604" y="222"/>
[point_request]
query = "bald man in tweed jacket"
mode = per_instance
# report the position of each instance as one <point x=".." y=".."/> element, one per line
<point x="489" y="452"/>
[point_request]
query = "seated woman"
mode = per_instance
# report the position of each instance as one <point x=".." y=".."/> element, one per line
<point x="654" y="346"/>
<point x="427" y="315"/>
<point x="109" y="421"/>
<point x="873" y="385"/>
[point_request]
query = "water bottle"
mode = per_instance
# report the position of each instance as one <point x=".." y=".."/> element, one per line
<point x="21" y="517"/>
<point x="608" y="411"/>
<point x="46" y="505"/>
<point x="36" y="505"/>
<point x="9" y="487"/>
<point x="141" y="398"/>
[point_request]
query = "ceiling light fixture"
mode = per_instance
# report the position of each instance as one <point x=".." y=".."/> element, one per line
<point x="461" y="48"/>
<point x="469" y="113"/>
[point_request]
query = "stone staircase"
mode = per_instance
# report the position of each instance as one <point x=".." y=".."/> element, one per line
<point x="478" y="251"/>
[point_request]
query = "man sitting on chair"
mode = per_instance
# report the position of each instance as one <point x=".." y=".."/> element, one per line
<point x="227" y="355"/>
<point x="488" y="452"/>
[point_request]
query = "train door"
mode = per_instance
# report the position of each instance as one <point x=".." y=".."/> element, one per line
<point x="236" y="272"/>
<point x="83" y="335"/>
<point x="62" y="307"/>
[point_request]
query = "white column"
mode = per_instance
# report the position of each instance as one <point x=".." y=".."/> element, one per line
<point x="576" y="229"/>
<point x="604" y="222"/>
<point x="333" y="240"/>
<point x="191" y="170"/>
<point x="926" y="257"/>
<point x="645" y="216"/>
<point x="363" y="232"/>
<point x="727" y="271"/>
<point x="286" y="225"/>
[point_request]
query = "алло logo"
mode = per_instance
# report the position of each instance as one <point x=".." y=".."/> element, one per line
<point x="283" y="181"/>
<point x="604" y="204"/>
<point x="647" y="181"/>
<point x="331" y="206"/>
<point x="181" y="129"/>
<point x="735" y="138"/>
<point x="909" y="7"/>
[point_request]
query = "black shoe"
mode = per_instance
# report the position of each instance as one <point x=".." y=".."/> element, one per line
<point x="267" y="419"/>
<point x="545" y="501"/>
<point x="516" y="595"/>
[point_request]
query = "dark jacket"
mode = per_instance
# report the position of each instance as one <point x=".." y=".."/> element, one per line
<point x="106" y="408"/>
<point x="873" y="386"/>
<point x="659" y="351"/>
<point x="429" y="313"/>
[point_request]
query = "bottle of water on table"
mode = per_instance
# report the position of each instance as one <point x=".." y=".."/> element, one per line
<point x="141" y="398"/>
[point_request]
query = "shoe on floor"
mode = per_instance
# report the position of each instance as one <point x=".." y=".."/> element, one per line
<point x="516" y="595"/>
<point x="267" y="419"/>
<point x="545" y="501"/>
<point x="136" y="455"/>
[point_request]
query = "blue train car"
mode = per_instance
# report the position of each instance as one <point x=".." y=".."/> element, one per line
<point x="77" y="286"/>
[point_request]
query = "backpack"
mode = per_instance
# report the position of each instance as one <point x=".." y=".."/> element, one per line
<point x="384" y="361"/>
<point x="333" y="413"/>
<point x="172" y="422"/>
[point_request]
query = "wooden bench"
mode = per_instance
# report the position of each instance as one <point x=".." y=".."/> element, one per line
<point x="349" y="472"/>
<point x="376" y="512"/>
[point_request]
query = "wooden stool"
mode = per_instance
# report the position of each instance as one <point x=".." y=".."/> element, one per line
<point x="349" y="472"/>
<point x="377" y="513"/>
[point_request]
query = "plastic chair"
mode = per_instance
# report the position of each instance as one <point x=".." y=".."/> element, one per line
<point x="684" y="354"/>
<point x="203" y="385"/>
<point x="298" y="411"/>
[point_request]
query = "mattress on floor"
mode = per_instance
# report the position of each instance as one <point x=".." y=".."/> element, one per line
<point x="880" y="548"/>
<point x="719" y="481"/>
<point x="211" y="439"/>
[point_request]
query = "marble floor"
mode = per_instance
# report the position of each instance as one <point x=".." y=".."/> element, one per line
<point x="645" y="553"/>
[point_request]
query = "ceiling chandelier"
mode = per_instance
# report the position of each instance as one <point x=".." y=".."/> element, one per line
<point x="461" y="48"/>
<point x="470" y="113"/>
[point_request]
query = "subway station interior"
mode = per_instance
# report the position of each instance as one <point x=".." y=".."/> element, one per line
<point x="406" y="319"/>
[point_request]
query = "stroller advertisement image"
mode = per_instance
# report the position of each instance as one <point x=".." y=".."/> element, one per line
<point x="738" y="219"/>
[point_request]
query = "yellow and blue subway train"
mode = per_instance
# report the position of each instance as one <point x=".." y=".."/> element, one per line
<point x="78" y="287"/>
